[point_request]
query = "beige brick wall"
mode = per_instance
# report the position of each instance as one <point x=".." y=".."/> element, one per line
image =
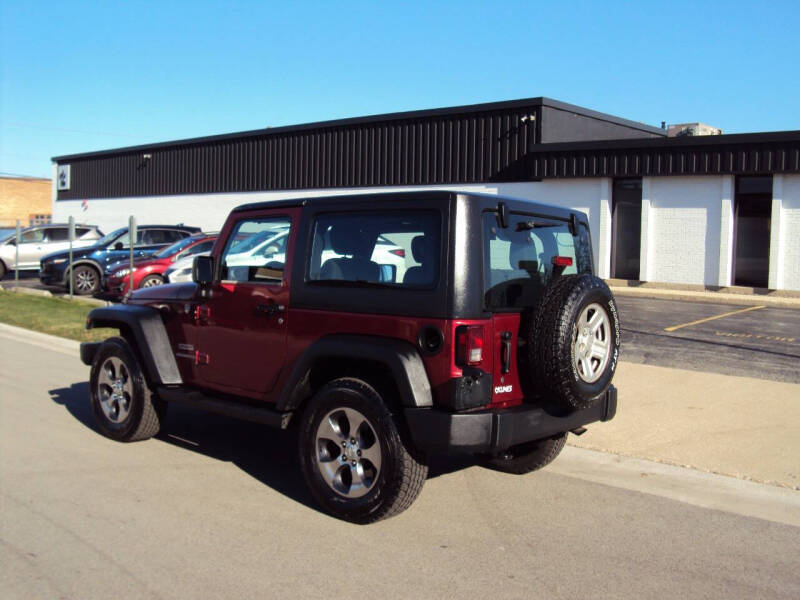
<point x="21" y="197"/>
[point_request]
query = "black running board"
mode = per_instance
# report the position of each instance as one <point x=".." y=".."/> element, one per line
<point x="227" y="406"/>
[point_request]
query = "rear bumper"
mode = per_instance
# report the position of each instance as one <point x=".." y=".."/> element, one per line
<point x="439" y="431"/>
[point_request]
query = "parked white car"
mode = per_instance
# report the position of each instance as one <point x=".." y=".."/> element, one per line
<point x="39" y="240"/>
<point x="181" y="270"/>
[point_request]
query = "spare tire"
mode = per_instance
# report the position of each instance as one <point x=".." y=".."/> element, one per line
<point x="572" y="343"/>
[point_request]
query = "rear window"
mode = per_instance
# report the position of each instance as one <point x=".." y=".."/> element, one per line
<point x="390" y="248"/>
<point x="518" y="259"/>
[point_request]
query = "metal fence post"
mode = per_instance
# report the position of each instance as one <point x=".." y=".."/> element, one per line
<point x="71" y="238"/>
<point x="132" y="242"/>
<point x="16" y="257"/>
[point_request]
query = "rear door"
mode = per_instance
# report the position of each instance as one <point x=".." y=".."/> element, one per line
<point x="33" y="245"/>
<point x="243" y="322"/>
<point x="520" y="261"/>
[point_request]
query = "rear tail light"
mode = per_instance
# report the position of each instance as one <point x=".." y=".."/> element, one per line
<point x="398" y="252"/>
<point x="562" y="261"/>
<point x="469" y="345"/>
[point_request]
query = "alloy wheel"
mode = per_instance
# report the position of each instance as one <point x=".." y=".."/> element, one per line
<point x="347" y="452"/>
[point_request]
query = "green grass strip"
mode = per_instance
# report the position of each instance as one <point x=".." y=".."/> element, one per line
<point x="55" y="316"/>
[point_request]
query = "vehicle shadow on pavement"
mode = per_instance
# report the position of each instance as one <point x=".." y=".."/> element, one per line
<point x="266" y="454"/>
<point x="75" y="399"/>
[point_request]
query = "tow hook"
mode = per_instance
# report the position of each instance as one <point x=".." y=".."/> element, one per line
<point x="579" y="431"/>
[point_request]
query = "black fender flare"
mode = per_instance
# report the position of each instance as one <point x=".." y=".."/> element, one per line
<point x="401" y="357"/>
<point x="152" y="342"/>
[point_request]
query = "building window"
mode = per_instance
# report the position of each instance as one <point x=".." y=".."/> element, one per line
<point x="39" y="219"/>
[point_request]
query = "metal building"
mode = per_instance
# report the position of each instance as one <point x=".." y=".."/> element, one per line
<point x="714" y="210"/>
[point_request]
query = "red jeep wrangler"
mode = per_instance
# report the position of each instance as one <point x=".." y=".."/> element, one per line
<point x="490" y="335"/>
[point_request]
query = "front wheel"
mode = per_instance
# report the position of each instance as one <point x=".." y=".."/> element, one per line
<point x="354" y="459"/>
<point x="85" y="280"/>
<point x="151" y="281"/>
<point x="124" y="406"/>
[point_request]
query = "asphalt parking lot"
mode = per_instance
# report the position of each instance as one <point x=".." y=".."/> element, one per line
<point x="215" y="508"/>
<point x="762" y="342"/>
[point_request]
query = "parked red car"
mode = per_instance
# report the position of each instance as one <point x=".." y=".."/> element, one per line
<point x="149" y="271"/>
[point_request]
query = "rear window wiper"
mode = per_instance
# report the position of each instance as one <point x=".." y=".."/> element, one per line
<point x="526" y="225"/>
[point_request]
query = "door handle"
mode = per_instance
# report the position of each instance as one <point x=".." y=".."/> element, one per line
<point x="270" y="309"/>
<point x="505" y="352"/>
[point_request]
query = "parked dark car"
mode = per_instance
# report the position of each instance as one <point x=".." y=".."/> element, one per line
<point x="88" y="264"/>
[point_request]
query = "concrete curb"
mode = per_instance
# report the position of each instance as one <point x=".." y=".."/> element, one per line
<point x="708" y="297"/>
<point x="47" y="294"/>
<point x="43" y="340"/>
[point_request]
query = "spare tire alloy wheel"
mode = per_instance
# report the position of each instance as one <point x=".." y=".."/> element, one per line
<point x="573" y="345"/>
<point x="591" y="346"/>
<point x="85" y="280"/>
<point x="356" y="461"/>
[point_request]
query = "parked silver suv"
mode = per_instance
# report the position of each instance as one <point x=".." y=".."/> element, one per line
<point x="38" y="240"/>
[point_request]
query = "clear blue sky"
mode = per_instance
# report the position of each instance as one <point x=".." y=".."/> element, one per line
<point x="81" y="76"/>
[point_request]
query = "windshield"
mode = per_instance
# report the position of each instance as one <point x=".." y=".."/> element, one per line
<point x="175" y="248"/>
<point x="110" y="237"/>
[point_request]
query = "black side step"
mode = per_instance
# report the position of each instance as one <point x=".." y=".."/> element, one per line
<point x="226" y="406"/>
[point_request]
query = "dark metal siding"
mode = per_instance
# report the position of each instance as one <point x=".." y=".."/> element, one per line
<point x="747" y="155"/>
<point x="467" y="148"/>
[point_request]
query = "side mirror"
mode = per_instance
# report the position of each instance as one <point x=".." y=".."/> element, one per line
<point x="118" y="246"/>
<point x="203" y="270"/>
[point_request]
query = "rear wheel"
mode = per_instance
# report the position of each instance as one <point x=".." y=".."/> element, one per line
<point x="124" y="407"/>
<point x="2" y="269"/>
<point x="528" y="457"/>
<point x="85" y="280"/>
<point x="355" y="460"/>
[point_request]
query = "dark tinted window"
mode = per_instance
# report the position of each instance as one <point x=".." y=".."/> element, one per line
<point x="58" y="234"/>
<point x="163" y="236"/>
<point x="198" y="248"/>
<point x="389" y="248"/>
<point x="518" y="259"/>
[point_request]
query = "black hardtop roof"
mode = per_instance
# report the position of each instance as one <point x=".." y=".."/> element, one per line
<point x="485" y="200"/>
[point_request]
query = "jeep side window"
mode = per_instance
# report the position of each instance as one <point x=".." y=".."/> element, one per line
<point x="518" y="259"/>
<point x="395" y="248"/>
<point x="256" y="251"/>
